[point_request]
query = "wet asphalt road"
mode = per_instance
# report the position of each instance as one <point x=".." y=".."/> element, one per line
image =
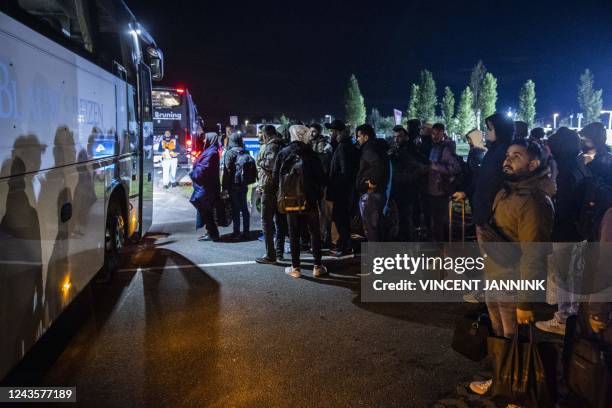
<point x="180" y="325"/>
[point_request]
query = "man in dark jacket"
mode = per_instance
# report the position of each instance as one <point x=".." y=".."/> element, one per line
<point x="206" y="186"/>
<point x="567" y="250"/>
<point x="273" y="223"/>
<point x="341" y="185"/>
<point x="594" y="141"/>
<point x="409" y="168"/>
<point x="313" y="180"/>
<point x="500" y="130"/>
<point x="323" y="149"/>
<point x="444" y="168"/>
<point x="237" y="192"/>
<point x="372" y="180"/>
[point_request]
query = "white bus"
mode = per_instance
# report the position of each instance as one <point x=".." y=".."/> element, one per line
<point x="75" y="181"/>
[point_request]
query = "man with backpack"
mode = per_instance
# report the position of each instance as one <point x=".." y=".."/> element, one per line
<point x="444" y="175"/>
<point x="298" y="175"/>
<point x="409" y="167"/>
<point x="239" y="171"/>
<point x="273" y="223"/>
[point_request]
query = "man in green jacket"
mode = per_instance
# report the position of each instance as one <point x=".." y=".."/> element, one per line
<point x="523" y="213"/>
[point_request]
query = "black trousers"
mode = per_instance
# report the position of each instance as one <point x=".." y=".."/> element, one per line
<point x="274" y="226"/>
<point x="405" y="211"/>
<point x="341" y="216"/>
<point x="310" y="219"/>
<point x="438" y="207"/>
<point x="205" y="217"/>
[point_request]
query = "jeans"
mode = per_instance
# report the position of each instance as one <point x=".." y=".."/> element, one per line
<point x="274" y="225"/>
<point x="169" y="171"/>
<point x="205" y="217"/>
<point x="371" y="208"/>
<point x="341" y="216"/>
<point x="438" y="221"/>
<point x="502" y="313"/>
<point x="310" y="219"/>
<point x="568" y="264"/>
<point x="238" y="196"/>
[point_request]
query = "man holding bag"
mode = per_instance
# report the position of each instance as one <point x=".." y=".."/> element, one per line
<point x="522" y="213"/>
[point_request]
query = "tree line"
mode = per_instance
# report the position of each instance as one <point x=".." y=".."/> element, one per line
<point x="476" y="101"/>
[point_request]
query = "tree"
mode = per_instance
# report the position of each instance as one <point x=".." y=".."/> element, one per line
<point x="426" y="105"/>
<point x="374" y="119"/>
<point x="527" y="101"/>
<point x="448" y="110"/>
<point x="487" y="98"/>
<point x="476" y="79"/>
<point x="354" y="104"/>
<point x="386" y="124"/>
<point x="411" y="112"/>
<point x="589" y="100"/>
<point x="284" y="120"/>
<point x="465" y="114"/>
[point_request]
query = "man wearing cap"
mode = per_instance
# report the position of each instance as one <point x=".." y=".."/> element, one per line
<point x="340" y="191"/>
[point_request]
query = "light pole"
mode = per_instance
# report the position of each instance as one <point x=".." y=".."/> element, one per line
<point x="509" y="112"/>
<point x="555" y="116"/>
<point x="572" y="120"/>
<point x="580" y="116"/>
<point x="609" y="113"/>
<point x="328" y="118"/>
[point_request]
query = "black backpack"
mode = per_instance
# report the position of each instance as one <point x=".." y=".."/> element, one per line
<point x="246" y="169"/>
<point x="597" y="200"/>
<point x="291" y="189"/>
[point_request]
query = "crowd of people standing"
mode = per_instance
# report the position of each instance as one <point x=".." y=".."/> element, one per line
<point x="521" y="187"/>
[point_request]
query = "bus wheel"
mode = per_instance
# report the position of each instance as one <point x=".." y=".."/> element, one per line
<point x="114" y="241"/>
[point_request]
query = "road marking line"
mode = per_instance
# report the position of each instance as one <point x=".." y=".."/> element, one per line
<point x="211" y="265"/>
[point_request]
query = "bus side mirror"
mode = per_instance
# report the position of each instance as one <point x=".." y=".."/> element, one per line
<point x="156" y="63"/>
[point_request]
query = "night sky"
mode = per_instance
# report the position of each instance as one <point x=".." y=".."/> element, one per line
<point x="261" y="59"/>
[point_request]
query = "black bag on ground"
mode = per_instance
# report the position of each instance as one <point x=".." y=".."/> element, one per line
<point x="223" y="211"/>
<point x="471" y="334"/>
<point x="246" y="169"/>
<point x="589" y="371"/>
<point x="291" y="189"/>
<point x="524" y="372"/>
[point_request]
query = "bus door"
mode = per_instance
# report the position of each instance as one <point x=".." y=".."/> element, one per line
<point x="146" y="138"/>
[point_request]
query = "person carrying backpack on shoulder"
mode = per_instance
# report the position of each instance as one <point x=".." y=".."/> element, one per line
<point x="299" y="177"/>
<point x="239" y="171"/>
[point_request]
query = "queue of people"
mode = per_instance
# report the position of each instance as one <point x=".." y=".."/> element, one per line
<point x="521" y="186"/>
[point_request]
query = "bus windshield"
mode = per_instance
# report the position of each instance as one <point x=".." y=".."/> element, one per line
<point x="166" y="99"/>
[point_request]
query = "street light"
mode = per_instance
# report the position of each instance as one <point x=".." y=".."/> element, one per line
<point x="509" y="112"/>
<point x="572" y="120"/>
<point x="246" y="122"/>
<point x="580" y="116"/>
<point x="328" y="118"/>
<point x="555" y="116"/>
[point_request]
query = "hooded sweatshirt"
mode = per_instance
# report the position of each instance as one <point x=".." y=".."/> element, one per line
<point x="234" y="148"/>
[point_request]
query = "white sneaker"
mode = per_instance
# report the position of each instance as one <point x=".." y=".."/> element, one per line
<point x="293" y="272"/>
<point x="480" y="387"/>
<point x="318" y="271"/>
<point x="552" y="326"/>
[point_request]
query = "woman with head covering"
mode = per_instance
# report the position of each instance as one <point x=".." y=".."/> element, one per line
<point x="474" y="159"/>
<point x="206" y="186"/>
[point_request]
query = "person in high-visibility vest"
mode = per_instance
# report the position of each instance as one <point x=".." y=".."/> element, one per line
<point x="169" y="149"/>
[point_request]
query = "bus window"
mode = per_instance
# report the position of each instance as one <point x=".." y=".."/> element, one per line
<point x="69" y="18"/>
<point x="166" y="99"/>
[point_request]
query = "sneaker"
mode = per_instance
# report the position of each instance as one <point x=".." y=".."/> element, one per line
<point x="480" y="387"/>
<point x="280" y="256"/>
<point x="293" y="272"/>
<point x="319" y="270"/>
<point x="208" y="238"/>
<point x="474" y="296"/>
<point x="552" y="326"/>
<point x="265" y="260"/>
<point x="343" y="253"/>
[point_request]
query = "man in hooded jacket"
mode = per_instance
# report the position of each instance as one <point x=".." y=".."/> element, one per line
<point x="237" y="192"/>
<point x="313" y="180"/>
